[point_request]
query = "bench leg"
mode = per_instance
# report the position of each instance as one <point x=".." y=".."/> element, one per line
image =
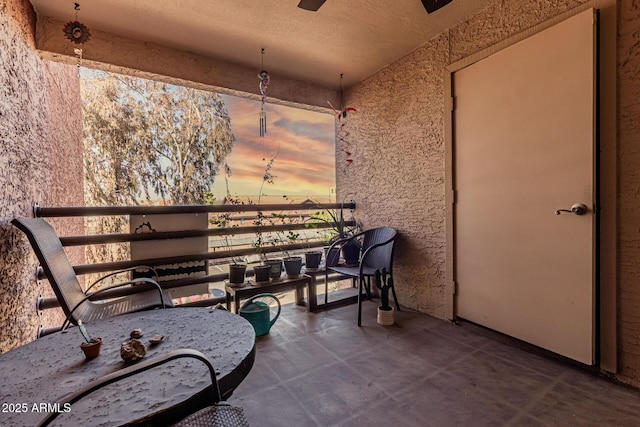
<point x="299" y="295"/>
<point x="360" y="284"/>
<point x="313" y="294"/>
<point x="229" y="302"/>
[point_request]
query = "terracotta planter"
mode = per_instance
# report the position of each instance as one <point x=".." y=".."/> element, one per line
<point x="91" y="349"/>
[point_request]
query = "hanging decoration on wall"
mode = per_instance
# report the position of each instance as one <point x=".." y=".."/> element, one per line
<point x="76" y="31"/>
<point x="343" y="133"/>
<point x="263" y="75"/>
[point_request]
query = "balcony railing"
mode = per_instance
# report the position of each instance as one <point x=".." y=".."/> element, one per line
<point x="236" y="238"/>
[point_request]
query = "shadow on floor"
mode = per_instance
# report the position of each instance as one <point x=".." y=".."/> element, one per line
<point x="320" y="369"/>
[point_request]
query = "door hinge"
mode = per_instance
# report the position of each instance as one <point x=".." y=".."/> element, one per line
<point x="453" y="287"/>
<point x="453" y="103"/>
<point x="453" y="196"/>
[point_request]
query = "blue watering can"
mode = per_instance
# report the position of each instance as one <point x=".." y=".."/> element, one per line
<point x="258" y="313"/>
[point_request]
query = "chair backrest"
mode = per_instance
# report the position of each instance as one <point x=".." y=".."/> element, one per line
<point x="53" y="259"/>
<point x="381" y="256"/>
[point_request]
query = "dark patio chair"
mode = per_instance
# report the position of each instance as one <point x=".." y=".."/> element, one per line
<point x="76" y="303"/>
<point x="204" y="409"/>
<point x="376" y="253"/>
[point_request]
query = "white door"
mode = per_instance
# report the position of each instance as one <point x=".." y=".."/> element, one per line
<point x="524" y="136"/>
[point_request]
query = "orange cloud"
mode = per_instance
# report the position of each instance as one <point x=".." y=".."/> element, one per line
<point x="302" y="143"/>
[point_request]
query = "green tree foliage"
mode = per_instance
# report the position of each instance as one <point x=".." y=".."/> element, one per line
<point x="146" y="140"/>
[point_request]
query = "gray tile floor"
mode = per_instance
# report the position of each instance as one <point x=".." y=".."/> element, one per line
<point x="320" y="369"/>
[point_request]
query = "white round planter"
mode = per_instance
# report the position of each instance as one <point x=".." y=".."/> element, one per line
<point x="385" y="318"/>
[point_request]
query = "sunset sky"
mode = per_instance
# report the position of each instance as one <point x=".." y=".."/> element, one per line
<point x="302" y="142"/>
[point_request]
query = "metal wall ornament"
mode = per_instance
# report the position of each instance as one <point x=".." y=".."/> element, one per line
<point x="76" y="31"/>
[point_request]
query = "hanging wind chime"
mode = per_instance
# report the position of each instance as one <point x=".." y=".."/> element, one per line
<point x="341" y="118"/>
<point x="78" y="33"/>
<point x="263" y="75"/>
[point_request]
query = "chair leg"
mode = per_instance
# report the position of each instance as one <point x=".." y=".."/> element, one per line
<point x="326" y="287"/>
<point x="360" y="302"/>
<point x="367" y="286"/>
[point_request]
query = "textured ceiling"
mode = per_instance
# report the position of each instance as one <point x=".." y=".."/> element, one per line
<point x="352" y="37"/>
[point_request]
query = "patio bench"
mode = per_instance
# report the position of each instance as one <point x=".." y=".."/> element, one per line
<point x="247" y="290"/>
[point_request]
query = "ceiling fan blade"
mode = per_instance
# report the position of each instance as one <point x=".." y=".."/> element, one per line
<point x="312" y="5"/>
<point x="433" y="5"/>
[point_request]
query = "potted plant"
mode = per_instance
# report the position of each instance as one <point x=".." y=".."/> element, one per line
<point x="340" y="230"/>
<point x="237" y="268"/>
<point x="90" y="346"/>
<point x="385" y="311"/>
<point x="274" y="266"/>
<point x="292" y="264"/>
<point x="261" y="272"/>
<point x="269" y="268"/>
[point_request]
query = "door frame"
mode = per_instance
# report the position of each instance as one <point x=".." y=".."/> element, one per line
<point x="605" y="178"/>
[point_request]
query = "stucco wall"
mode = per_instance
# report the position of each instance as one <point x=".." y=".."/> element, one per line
<point x="629" y="191"/>
<point x="398" y="169"/>
<point x="398" y="145"/>
<point x="40" y="161"/>
<point x="407" y="174"/>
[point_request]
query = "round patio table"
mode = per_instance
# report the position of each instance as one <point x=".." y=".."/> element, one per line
<point x="36" y="376"/>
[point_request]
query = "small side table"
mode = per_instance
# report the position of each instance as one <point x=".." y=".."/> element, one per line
<point x="249" y="289"/>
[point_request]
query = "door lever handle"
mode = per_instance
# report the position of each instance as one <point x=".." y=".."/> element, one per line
<point x="577" y="209"/>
